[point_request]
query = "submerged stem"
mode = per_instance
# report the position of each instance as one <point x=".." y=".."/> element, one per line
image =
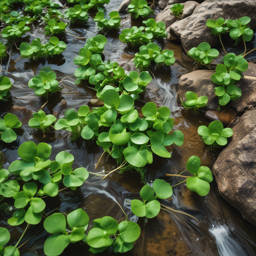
<point x="244" y="46"/>
<point x="176" y="175"/>
<point x="222" y="44"/>
<point x="22" y="235"/>
<point x="100" y="159"/>
<point x="171" y="209"/>
<point x="97" y="174"/>
<point x="78" y="37"/>
<point x="179" y="183"/>
<point x="64" y="79"/>
<point x="250" y="77"/>
<point x="43" y="105"/>
<point x="250" y="52"/>
<point x="122" y="165"/>
<point x="126" y="216"/>
<point x="29" y="238"/>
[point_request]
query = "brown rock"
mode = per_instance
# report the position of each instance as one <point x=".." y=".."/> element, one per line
<point x="200" y="83"/>
<point x="96" y="102"/>
<point x="196" y="31"/>
<point x="248" y="87"/>
<point x="235" y="170"/>
<point x="124" y="5"/>
<point x="23" y="114"/>
<point x="226" y="116"/>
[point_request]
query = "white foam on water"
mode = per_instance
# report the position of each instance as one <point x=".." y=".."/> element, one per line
<point x="226" y="244"/>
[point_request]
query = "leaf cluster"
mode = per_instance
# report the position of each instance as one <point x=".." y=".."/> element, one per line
<point x="41" y="121"/>
<point x="227" y="75"/>
<point x="203" y="54"/>
<point x="95" y="4"/>
<point x="54" y="27"/>
<point x="14" y="18"/>
<point x="194" y="102"/>
<point x="51" y="13"/>
<point x="152" y="52"/>
<point x="5" y="85"/>
<point x="150" y="206"/>
<point x="156" y="28"/>
<point x="44" y="83"/>
<point x="107" y="232"/>
<point x="215" y="134"/>
<point x="139" y="8"/>
<point x="237" y="28"/>
<point x="15" y="31"/>
<point x="77" y="14"/>
<point x="36" y="7"/>
<point x="5" y="238"/>
<point x="37" y="50"/>
<point x="177" y="10"/>
<point x="7" y="124"/>
<point x="112" y="23"/>
<point x="202" y="176"/>
<point x="62" y="236"/>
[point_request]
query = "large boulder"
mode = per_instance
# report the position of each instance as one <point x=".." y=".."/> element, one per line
<point x="193" y="30"/>
<point x="248" y="87"/>
<point x="168" y="18"/>
<point x="235" y="170"/>
<point x="199" y="82"/>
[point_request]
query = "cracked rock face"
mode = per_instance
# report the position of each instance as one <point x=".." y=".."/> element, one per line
<point x="193" y="30"/>
<point x="235" y="168"/>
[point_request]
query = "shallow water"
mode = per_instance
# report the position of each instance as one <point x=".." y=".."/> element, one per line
<point x="221" y="230"/>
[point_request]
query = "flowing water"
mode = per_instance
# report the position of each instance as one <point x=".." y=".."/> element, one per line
<point x="221" y="230"/>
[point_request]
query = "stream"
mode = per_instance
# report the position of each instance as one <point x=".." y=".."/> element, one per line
<point x="221" y="229"/>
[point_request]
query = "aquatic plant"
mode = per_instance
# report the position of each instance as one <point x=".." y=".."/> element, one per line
<point x="77" y="14"/>
<point x="41" y="121"/>
<point x="7" y="124"/>
<point x="7" y="188"/>
<point x="112" y="23"/>
<point x="139" y="8"/>
<point x="3" y="52"/>
<point x="14" y="18"/>
<point x="51" y="13"/>
<point x="5" y="238"/>
<point x="55" y="27"/>
<point x="15" y="31"/>
<point x="5" y="85"/>
<point x="156" y="28"/>
<point x="152" y="52"/>
<point x="135" y="36"/>
<point x="227" y="75"/>
<point x="203" y="54"/>
<point x="150" y="206"/>
<point x="215" y="134"/>
<point x="194" y="102"/>
<point x="177" y="10"/>
<point x="45" y="83"/>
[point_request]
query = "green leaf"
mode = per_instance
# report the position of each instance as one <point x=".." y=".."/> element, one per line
<point x="193" y="164"/>
<point x="30" y="188"/>
<point x="77" y="178"/>
<point x="55" y="223"/>
<point x="150" y="210"/>
<point x="56" y="244"/>
<point x="108" y="224"/>
<point x="87" y="133"/>
<point x="139" y="138"/>
<point x="201" y="187"/>
<point x="162" y="189"/>
<point x="37" y="204"/>
<point x="51" y="189"/>
<point x="111" y="98"/>
<point x="147" y="193"/>
<point x="135" y="157"/>
<point x="177" y="137"/>
<point x="96" y="238"/>
<point x="149" y="109"/>
<point x="4" y="236"/>
<point x="32" y="218"/>
<point x="78" y="219"/>
<point x="28" y="151"/>
<point x="77" y="235"/>
<point x="118" y="134"/>
<point x="9" y="188"/>
<point x="11" y="251"/>
<point x="129" y="231"/>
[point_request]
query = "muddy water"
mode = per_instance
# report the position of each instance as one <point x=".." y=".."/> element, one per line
<point x="221" y="229"/>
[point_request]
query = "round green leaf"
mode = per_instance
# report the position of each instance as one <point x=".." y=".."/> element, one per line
<point x="31" y="217"/>
<point x="201" y="187"/>
<point x="129" y="231"/>
<point x="147" y="193"/>
<point x="162" y="189"/>
<point x="77" y="219"/>
<point x="56" y="244"/>
<point x="4" y="236"/>
<point x="55" y="223"/>
<point x="139" y="138"/>
<point x="193" y="164"/>
<point x="135" y="157"/>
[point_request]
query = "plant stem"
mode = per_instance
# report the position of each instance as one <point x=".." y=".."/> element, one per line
<point x="176" y="175"/>
<point x="250" y="52"/>
<point x="10" y="56"/>
<point x="78" y="37"/>
<point x="100" y="159"/>
<point x="126" y="216"/>
<point x="244" y="46"/>
<point x="22" y="235"/>
<point x="97" y="174"/>
<point x="250" y="77"/>
<point x="62" y="189"/>
<point x="43" y="105"/>
<point x="29" y="238"/>
<point x="64" y="79"/>
<point x="179" y="183"/>
<point x="171" y="209"/>
<point x="222" y="44"/>
<point x="122" y="165"/>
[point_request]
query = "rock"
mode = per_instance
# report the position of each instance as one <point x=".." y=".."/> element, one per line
<point x="96" y="102"/>
<point x="248" y="87"/>
<point x="200" y="83"/>
<point x="60" y="107"/>
<point x="193" y="29"/>
<point x="226" y="116"/>
<point x="235" y="170"/>
<point x="23" y="114"/>
<point x="168" y="18"/>
<point x="123" y="7"/>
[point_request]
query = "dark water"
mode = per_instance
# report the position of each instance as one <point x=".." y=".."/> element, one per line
<point x="221" y="230"/>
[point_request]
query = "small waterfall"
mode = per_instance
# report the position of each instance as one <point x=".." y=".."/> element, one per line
<point x="226" y="244"/>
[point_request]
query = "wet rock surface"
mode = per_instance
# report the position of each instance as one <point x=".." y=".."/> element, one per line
<point x="235" y="170"/>
<point x="200" y="83"/>
<point x="226" y="116"/>
<point x="193" y="30"/>
<point x="248" y="87"/>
